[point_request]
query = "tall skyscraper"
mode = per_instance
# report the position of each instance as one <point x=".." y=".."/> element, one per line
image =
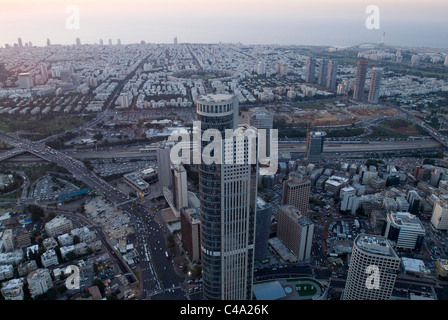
<point x="295" y="230"/>
<point x="164" y="167"/>
<point x="323" y="70"/>
<point x="262" y="120"/>
<point x="414" y="201"/>
<point x="20" y="43"/>
<point x="375" y="85"/>
<point x="179" y="186"/>
<point x="78" y="41"/>
<point x="175" y="40"/>
<point x="44" y="71"/>
<point x="332" y="74"/>
<point x="101" y="42"/>
<point x="310" y="70"/>
<point x="315" y="145"/>
<point x="228" y="194"/>
<point x="191" y="232"/>
<point x="48" y="42"/>
<point x="373" y="269"/>
<point x="261" y="68"/>
<point x="360" y="80"/>
<point x="263" y="227"/>
<point x="296" y="192"/>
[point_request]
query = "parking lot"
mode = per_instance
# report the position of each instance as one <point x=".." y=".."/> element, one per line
<point x="49" y="187"/>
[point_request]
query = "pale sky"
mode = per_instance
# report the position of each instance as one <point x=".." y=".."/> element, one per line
<point x="313" y="22"/>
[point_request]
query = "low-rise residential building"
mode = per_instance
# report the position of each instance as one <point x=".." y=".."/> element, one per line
<point x="13" y="290"/>
<point x="49" y="258"/>
<point x="58" y="225"/>
<point x="6" y="271"/>
<point x="39" y="282"/>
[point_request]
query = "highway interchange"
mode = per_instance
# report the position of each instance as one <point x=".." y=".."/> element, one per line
<point x="151" y="247"/>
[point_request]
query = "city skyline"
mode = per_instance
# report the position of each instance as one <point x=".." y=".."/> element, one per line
<point x="144" y="157"/>
<point x="286" y="22"/>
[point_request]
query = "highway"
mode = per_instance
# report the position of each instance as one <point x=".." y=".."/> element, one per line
<point x="293" y="146"/>
<point x="148" y="265"/>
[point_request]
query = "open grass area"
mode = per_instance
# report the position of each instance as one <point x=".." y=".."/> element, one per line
<point x="306" y="290"/>
<point x="405" y="127"/>
<point x="44" y="127"/>
<point x="382" y="134"/>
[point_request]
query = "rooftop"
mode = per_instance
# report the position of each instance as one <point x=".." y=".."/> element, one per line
<point x="406" y="219"/>
<point x="216" y="98"/>
<point x="375" y="244"/>
<point x="296" y="215"/>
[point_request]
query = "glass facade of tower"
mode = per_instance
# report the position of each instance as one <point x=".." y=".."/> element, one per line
<point x="228" y="208"/>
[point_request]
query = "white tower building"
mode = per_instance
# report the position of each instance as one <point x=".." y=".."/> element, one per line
<point x="373" y="269"/>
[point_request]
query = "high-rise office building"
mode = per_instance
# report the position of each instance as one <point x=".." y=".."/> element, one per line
<point x="263" y="227"/>
<point x="190" y="226"/>
<point x="20" y="43"/>
<point x="48" y="42"/>
<point x="119" y="42"/>
<point x="373" y="269"/>
<point x="179" y="186"/>
<point x="78" y="41"/>
<point x="375" y="85"/>
<point x="261" y="68"/>
<point x="175" y="40"/>
<point x="323" y="71"/>
<point x="262" y="120"/>
<point x="101" y="42"/>
<point x="439" y="218"/>
<point x="405" y="229"/>
<point x="228" y="194"/>
<point x="164" y="167"/>
<point x="310" y="70"/>
<point x="295" y="230"/>
<point x="296" y="192"/>
<point x="44" y="71"/>
<point x="332" y="74"/>
<point x="315" y="145"/>
<point x="360" y="80"/>
<point x="414" y="201"/>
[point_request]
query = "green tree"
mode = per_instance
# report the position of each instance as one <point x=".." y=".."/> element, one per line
<point x="197" y="271"/>
<point x="36" y="211"/>
<point x="76" y="239"/>
<point x="101" y="286"/>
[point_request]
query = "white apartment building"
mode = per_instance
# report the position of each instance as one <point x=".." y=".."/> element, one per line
<point x="49" y="258"/>
<point x="6" y="271"/>
<point x="39" y="282"/>
<point x="8" y="239"/>
<point x="57" y="226"/>
<point x="13" y="290"/>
